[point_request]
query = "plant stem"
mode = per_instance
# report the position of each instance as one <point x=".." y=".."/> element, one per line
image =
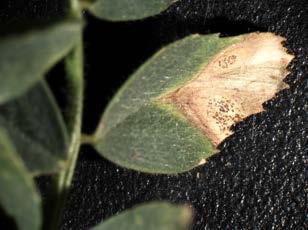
<point x="61" y="182"/>
<point x="88" y="139"/>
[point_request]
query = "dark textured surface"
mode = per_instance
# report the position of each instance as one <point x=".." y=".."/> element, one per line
<point x="17" y="16"/>
<point x="258" y="179"/>
<point x="14" y="12"/>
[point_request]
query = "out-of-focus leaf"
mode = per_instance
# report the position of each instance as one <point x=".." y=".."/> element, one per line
<point x="35" y="126"/>
<point x="18" y="195"/>
<point x="123" y="10"/>
<point x="24" y="58"/>
<point x="153" y="216"/>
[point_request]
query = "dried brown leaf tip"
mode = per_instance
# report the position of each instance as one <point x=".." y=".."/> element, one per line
<point x="233" y="85"/>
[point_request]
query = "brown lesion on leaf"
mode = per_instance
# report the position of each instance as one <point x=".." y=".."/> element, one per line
<point x="233" y="85"/>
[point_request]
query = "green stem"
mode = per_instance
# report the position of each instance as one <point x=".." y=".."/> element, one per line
<point x="88" y="139"/>
<point x="61" y="182"/>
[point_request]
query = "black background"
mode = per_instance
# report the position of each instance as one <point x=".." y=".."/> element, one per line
<point x="258" y="179"/>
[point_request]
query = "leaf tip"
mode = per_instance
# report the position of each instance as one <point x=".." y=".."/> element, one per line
<point x="233" y="84"/>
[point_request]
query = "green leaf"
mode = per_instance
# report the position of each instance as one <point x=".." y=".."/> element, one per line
<point x="155" y="139"/>
<point x="18" y="195"/>
<point x="153" y="216"/>
<point x="139" y="131"/>
<point x="37" y="129"/>
<point x="123" y="10"/>
<point x="24" y="58"/>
